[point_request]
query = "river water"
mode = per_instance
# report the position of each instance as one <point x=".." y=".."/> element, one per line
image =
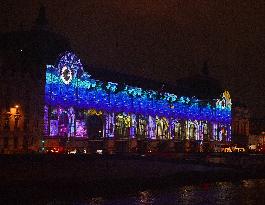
<point x="248" y="192"/>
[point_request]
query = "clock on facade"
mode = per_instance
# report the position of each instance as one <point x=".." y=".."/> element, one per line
<point x="69" y="67"/>
<point x="66" y="75"/>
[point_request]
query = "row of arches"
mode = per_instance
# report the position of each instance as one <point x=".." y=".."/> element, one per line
<point x="95" y="124"/>
<point x="72" y="123"/>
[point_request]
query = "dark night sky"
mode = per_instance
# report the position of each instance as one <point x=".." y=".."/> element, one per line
<point x="162" y="39"/>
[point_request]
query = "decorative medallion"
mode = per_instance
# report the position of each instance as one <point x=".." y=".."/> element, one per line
<point x="66" y="75"/>
<point x="69" y="67"/>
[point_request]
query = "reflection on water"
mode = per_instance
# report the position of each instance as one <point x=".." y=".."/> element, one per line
<point x="145" y="197"/>
<point x="96" y="201"/>
<point x="245" y="192"/>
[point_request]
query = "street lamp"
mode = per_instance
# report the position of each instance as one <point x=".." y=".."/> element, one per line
<point x="17" y="116"/>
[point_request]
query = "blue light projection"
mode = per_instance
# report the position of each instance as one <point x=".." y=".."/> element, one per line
<point x="76" y="88"/>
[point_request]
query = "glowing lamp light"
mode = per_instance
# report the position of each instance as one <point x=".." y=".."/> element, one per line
<point x="99" y="151"/>
<point x="73" y="151"/>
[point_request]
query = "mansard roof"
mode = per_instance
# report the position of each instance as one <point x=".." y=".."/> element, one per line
<point x="203" y="87"/>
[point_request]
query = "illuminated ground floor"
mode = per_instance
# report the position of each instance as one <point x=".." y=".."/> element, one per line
<point x="92" y="130"/>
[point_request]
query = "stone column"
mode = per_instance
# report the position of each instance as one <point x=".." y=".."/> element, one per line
<point x="109" y="132"/>
<point x="210" y="131"/>
<point x="133" y="125"/>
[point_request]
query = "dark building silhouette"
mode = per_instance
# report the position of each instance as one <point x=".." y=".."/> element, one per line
<point x="23" y="56"/>
<point x="202" y="85"/>
<point x="257" y="126"/>
<point x="240" y="123"/>
<point x="257" y="132"/>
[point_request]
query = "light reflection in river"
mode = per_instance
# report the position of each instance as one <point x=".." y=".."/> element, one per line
<point x="245" y="192"/>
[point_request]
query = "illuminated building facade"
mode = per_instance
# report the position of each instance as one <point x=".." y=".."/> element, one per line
<point x="61" y="105"/>
<point x="80" y="110"/>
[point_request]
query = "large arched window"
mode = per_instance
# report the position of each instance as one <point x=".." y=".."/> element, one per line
<point x="176" y="130"/>
<point x="215" y="133"/>
<point x="205" y="131"/>
<point x="162" y="128"/>
<point x="122" y="125"/>
<point x="222" y="133"/>
<point x="94" y="124"/>
<point x="152" y="127"/>
<point x="80" y="123"/>
<point x="141" y="132"/>
<point x="63" y="123"/>
<point x="53" y="122"/>
<point x="192" y="129"/>
<point x="46" y="120"/>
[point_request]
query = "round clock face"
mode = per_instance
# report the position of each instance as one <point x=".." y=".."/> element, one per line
<point x="66" y="75"/>
<point x="69" y="67"/>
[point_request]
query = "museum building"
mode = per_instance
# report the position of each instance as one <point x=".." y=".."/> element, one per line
<point x="81" y="112"/>
<point x="50" y="100"/>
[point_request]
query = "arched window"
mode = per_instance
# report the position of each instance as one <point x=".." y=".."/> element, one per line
<point x="151" y="127"/>
<point x="204" y="131"/>
<point x="46" y="120"/>
<point x="192" y="130"/>
<point x="80" y="124"/>
<point x="54" y="122"/>
<point x="63" y="123"/>
<point x="176" y="130"/>
<point x="162" y="128"/>
<point x="141" y="131"/>
<point x="94" y="124"/>
<point x="223" y="133"/>
<point x="122" y="125"/>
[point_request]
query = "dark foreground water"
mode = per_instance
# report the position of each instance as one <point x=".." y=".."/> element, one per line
<point x="247" y="192"/>
<point x="242" y="192"/>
